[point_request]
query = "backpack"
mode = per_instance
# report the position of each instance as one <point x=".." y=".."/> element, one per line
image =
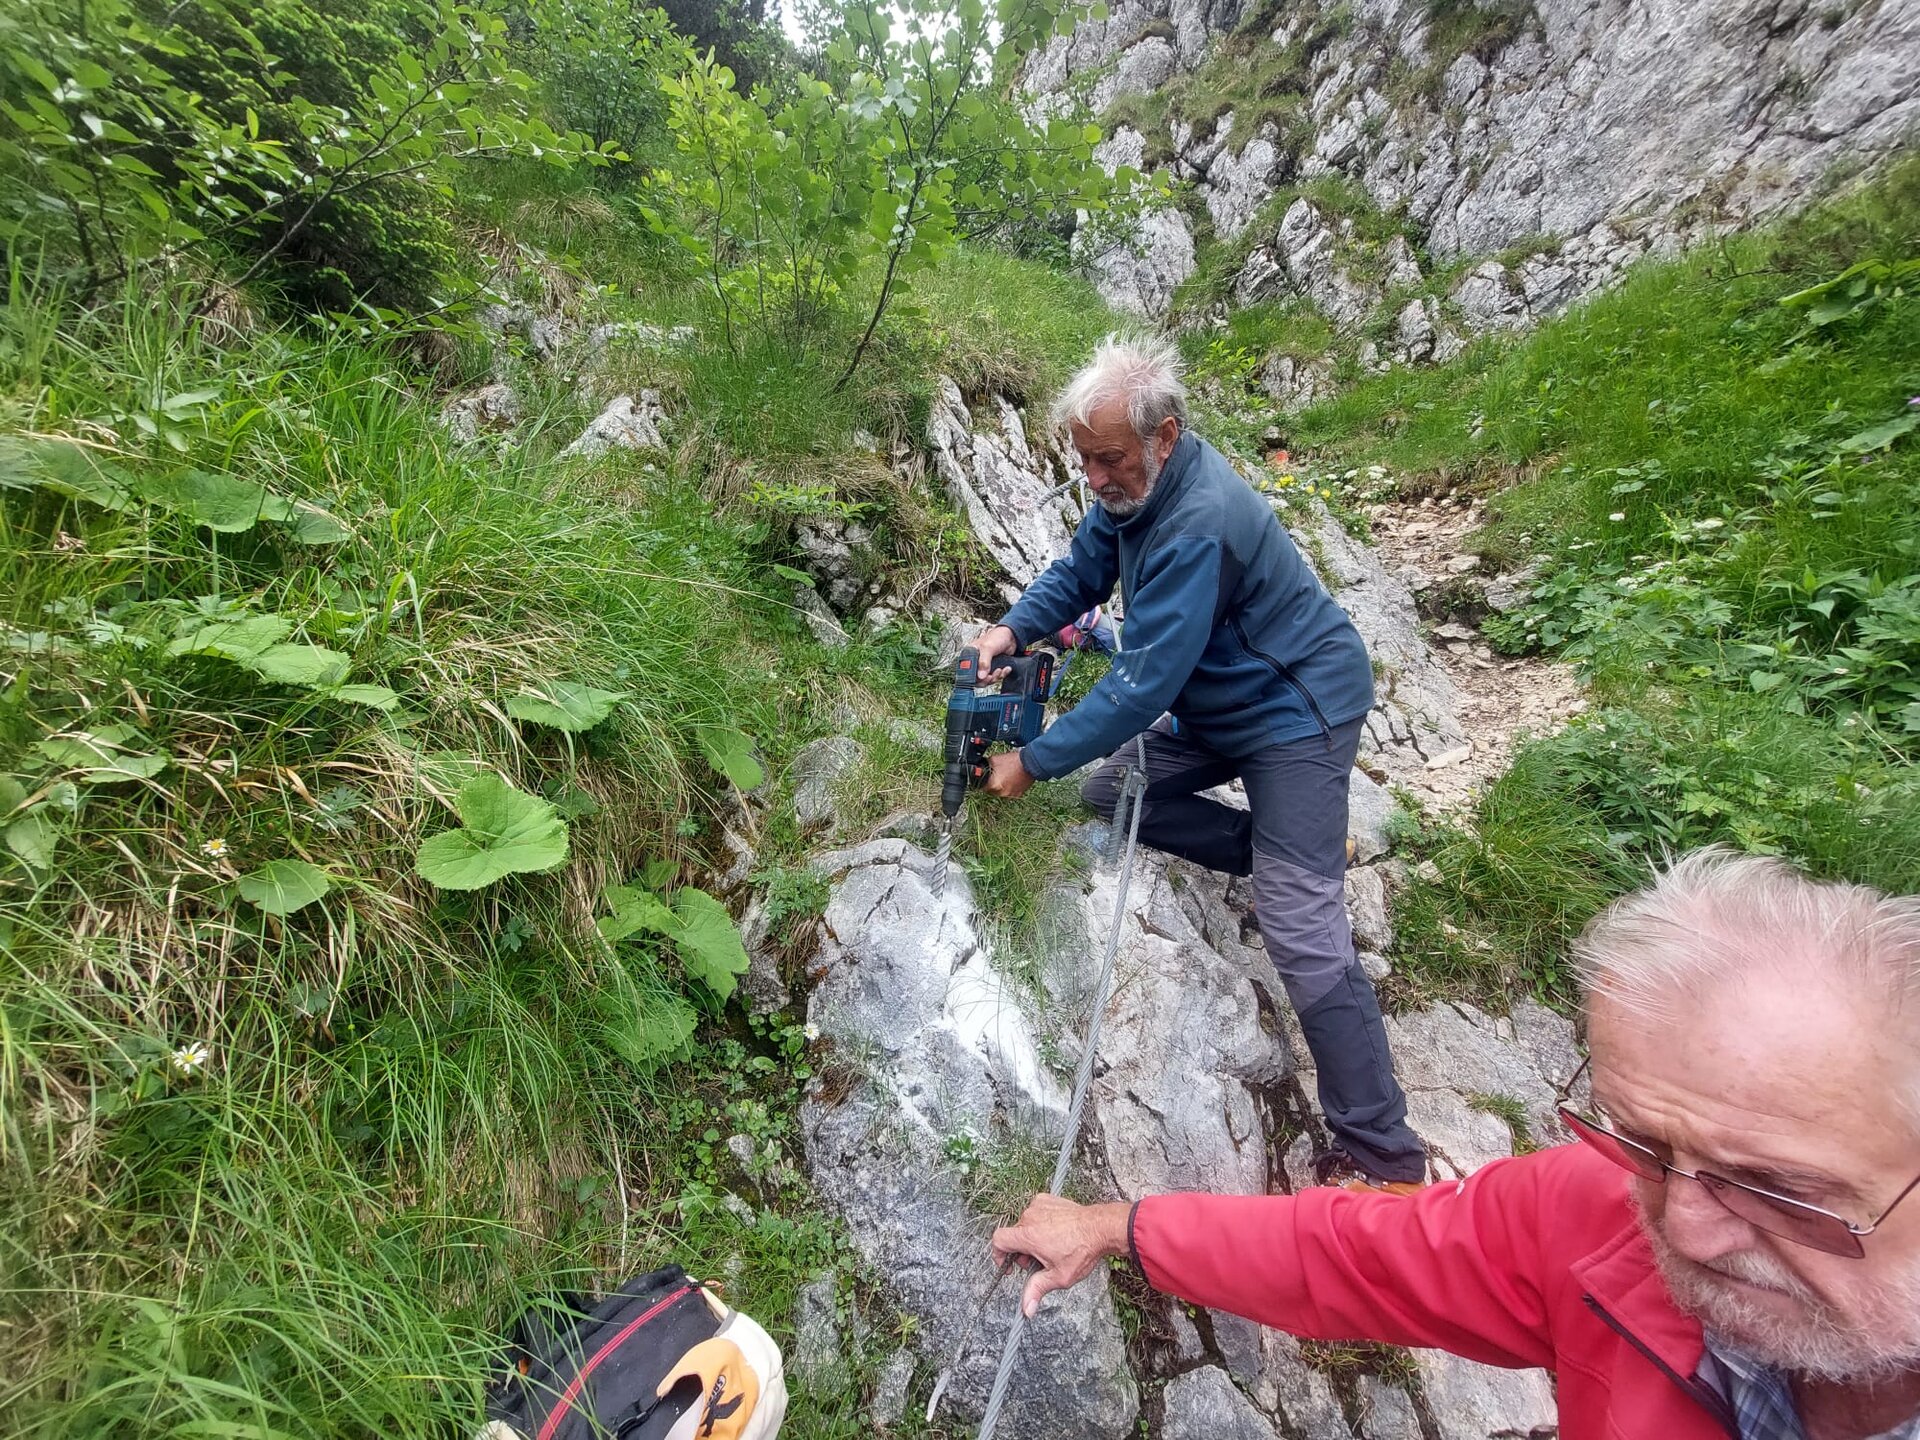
<point x="659" y="1359"/>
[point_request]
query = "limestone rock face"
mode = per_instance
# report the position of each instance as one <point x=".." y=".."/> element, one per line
<point x="1139" y="274"/>
<point x="1203" y="1405"/>
<point x="1592" y="132"/>
<point x="818" y="770"/>
<point x="1183" y="1053"/>
<point x="1012" y="495"/>
<point x="944" y="1068"/>
<point x="492" y="407"/>
<point x="626" y="424"/>
<point x="1415" y="717"/>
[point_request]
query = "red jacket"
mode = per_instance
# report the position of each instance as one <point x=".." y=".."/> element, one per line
<point x="1536" y="1261"/>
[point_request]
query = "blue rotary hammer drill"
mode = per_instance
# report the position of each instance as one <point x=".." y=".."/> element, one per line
<point x="977" y="719"/>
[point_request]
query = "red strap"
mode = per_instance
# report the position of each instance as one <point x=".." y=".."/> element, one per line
<point x="559" y="1412"/>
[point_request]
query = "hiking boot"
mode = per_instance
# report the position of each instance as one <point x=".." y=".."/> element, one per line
<point x="1336" y="1167"/>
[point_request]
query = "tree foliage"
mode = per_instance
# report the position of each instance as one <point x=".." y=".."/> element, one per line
<point x="600" y="63"/>
<point x="912" y="140"/>
<point x="299" y="142"/>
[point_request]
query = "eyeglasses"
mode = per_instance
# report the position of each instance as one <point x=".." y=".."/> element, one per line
<point x="1780" y="1215"/>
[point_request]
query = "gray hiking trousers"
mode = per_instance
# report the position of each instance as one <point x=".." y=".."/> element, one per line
<point x="1293" y="842"/>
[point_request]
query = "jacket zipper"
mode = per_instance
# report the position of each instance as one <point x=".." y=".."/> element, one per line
<point x="1284" y="673"/>
<point x="559" y="1412"/>
<point x="1701" y="1393"/>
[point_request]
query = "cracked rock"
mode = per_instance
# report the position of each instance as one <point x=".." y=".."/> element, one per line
<point x="626" y="424"/>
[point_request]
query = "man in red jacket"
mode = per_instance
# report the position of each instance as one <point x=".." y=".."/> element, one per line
<point x="1724" y="1252"/>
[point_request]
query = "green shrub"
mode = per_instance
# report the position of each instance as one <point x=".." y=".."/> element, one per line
<point x="831" y="194"/>
<point x="306" y="144"/>
<point x="599" y="64"/>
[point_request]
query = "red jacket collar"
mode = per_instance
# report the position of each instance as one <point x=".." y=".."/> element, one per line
<point x="1622" y="1278"/>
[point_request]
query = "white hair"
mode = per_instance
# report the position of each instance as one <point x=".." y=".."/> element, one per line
<point x="1716" y="915"/>
<point x="1144" y="371"/>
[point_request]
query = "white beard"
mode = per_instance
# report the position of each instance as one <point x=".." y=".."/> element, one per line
<point x="1120" y="509"/>
<point x="1818" y="1343"/>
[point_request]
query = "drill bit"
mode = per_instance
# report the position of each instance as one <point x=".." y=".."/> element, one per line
<point x="942" y="853"/>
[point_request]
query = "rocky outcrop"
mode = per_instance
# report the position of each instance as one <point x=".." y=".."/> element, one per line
<point x="1013" y="495"/>
<point x="1581" y="134"/>
<point x="1415" y="721"/>
<point x="626" y="424"/>
<point x="937" y="1073"/>
<point x="945" y="1069"/>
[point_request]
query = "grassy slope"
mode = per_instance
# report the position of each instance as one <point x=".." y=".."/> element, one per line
<point x="1733" y="568"/>
<point x="420" y="1107"/>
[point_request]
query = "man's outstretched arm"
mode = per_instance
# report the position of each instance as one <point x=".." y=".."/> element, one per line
<point x="1458" y="1267"/>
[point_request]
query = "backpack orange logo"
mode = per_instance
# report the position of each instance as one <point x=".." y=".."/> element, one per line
<point x="729" y="1385"/>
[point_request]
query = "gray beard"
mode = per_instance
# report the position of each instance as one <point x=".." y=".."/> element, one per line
<point x="1818" y="1344"/>
<point x="1120" y="509"/>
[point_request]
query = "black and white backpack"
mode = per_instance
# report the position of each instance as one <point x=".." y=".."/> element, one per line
<point x="659" y="1359"/>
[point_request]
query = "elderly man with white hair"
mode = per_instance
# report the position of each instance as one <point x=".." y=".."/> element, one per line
<point x="1236" y="663"/>
<point x="1727" y="1249"/>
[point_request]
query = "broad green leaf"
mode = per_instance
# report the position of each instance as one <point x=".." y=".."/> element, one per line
<point x="708" y="941"/>
<point x="730" y="752"/>
<point x="1874" y="437"/>
<point x="378" y="696"/>
<point x="644" y="1029"/>
<point x="299" y="665"/>
<point x="188" y="401"/>
<point x="573" y="803"/>
<point x="798" y="577"/>
<point x="219" y="502"/>
<point x="281" y="887"/>
<point x="504" y="832"/>
<point x="310" y="525"/>
<point x="564" y="705"/>
<point x="1765" y="680"/>
<point x="32" y="837"/>
<point x="104" y="757"/>
<point x="241" y="639"/>
<point x="65" y="469"/>
<point x="634" y="911"/>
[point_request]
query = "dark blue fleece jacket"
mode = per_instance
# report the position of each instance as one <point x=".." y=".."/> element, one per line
<point x="1226" y="626"/>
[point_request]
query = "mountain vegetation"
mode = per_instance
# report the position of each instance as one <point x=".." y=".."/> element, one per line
<point x="377" y="804"/>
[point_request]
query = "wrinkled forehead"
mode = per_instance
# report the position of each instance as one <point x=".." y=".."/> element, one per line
<point x="1108" y="425"/>
<point x="1792" y="1059"/>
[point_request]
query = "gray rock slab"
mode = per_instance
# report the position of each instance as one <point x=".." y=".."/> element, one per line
<point x="1370" y="808"/>
<point x="1387" y="1411"/>
<point x="1478" y="1402"/>
<point x="818" y="771"/>
<point x="909" y="999"/>
<point x="1010" y="495"/>
<point x="1205" y="1404"/>
<point x="889" y="1404"/>
<point x="1138" y="274"/>
<point x="626" y="424"/>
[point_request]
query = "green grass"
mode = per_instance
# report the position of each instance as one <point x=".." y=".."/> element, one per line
<point x="1730" y="556"/>
<point x="421" y="1107"/>
<point x="416" y="1110"/>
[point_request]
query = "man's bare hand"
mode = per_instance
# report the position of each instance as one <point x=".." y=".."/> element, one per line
<point x="993" y="642"/>
<point x="1007" y="776"/>
<point x="1067" y="1240"/>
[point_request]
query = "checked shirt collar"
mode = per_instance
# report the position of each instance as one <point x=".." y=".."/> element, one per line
<point x="1762" y="1400"/>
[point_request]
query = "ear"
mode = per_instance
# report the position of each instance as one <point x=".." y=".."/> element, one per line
<point x="1166" y="436"/>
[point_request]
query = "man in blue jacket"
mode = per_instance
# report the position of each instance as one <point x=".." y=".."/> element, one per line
<point x="1235" y="662"/>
